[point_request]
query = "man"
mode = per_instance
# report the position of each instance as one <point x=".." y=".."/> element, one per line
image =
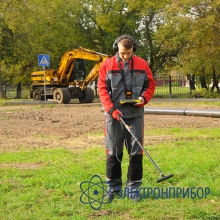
<point x="124" y="76"/>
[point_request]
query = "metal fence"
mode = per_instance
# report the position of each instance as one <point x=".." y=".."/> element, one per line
<point x="180" y="85"/>
<point x="16" y="91"/>
<point x="171" y="86"/>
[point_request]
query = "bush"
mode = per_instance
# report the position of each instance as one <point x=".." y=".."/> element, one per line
<point x="204" y="93"/>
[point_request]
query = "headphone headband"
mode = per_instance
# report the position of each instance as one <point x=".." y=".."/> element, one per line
<point x="124" y="36"/>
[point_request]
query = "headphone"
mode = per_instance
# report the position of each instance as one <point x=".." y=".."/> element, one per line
<point x="124" y="36"/>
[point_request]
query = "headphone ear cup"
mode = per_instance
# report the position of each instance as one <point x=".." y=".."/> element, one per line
<point x="115" y="46"/>
<point x="134" y="47"/>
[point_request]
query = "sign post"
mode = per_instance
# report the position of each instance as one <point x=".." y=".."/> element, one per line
<point x="44" y="61"/>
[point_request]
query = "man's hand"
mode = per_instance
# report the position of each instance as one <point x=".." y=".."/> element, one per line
<point x="116" y="113"/>
<point x="141" y="104"/>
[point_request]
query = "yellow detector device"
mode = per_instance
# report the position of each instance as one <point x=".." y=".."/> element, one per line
<point x="129" y="101"/>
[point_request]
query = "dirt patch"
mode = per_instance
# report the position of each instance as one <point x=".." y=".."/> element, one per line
<point x="101" y="213"/>
<point x="22" y="165"/>
<point x="74" y="126"/>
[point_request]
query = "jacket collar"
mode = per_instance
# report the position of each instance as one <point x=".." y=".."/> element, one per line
<point x="119" y="59"/>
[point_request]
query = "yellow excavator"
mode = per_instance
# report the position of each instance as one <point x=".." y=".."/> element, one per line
<point x="70" y="80"/>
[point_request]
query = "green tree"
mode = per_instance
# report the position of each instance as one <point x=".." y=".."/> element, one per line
<point x="6" y="52"/>
<point x="98" y="23"/>
<point x="152" y="18"/>
<point x="192" y="32"/>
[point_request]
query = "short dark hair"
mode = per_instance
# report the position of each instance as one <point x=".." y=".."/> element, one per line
<point x="127" y="43"/>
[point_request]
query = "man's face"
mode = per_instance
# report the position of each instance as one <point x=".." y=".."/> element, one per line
<point x="124" y="53"/>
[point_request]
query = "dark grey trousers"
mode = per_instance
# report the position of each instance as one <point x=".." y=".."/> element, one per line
<point x="116" y="136"/>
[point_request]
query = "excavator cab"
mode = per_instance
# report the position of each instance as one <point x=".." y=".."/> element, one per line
<point x="79" y="70"/>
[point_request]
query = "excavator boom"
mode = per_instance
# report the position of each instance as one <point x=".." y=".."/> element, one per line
<point x="81" y="53"/>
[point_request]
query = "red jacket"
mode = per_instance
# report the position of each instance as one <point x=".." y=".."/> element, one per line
<point x="111" y="85"/>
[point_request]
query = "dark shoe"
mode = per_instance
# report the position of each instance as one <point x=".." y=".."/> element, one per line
<point x="113" y="194"/>
<point x="134" y="196"/>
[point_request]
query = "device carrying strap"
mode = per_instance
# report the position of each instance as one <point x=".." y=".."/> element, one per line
<point x="128" y="93"/>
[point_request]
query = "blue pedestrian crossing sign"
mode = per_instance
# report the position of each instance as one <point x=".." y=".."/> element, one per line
<point x="43" y="60"/>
